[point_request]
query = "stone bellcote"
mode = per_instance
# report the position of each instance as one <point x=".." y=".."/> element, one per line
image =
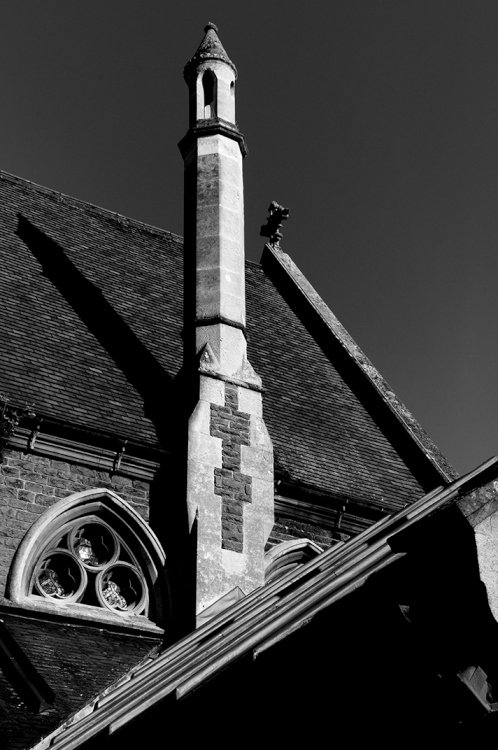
<point x="230" y="456"/>
<point x="211" y="76"/>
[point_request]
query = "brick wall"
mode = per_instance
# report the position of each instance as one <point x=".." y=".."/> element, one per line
<point x="234" y="487"/>
<point x="29" y="484"/>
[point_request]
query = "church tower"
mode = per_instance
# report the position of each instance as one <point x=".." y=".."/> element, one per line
<point x="230" y="456"/>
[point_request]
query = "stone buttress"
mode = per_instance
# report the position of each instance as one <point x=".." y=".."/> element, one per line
<point x="230" y="455"/>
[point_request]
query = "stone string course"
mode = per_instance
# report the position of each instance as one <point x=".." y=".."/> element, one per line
<point x="29" y="484"/>
<point x="235" y="488"/>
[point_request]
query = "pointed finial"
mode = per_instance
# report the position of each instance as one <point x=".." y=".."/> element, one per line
<point x="210" y="48"/>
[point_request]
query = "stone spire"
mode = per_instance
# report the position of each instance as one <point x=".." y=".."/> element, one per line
<point x="209" y="49"/>
<point x="230" y="456"/>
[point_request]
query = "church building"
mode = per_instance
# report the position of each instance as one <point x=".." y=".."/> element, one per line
<point x="217" y="519"/>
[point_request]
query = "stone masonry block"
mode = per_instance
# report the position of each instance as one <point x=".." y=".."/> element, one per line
<point x="35" y="476"/>
<point x="211" y="390"/>
<point x="14" y="482"/>
<point x="44" y="500"/>
<point x="257" y="462"/>
<point x="232" y="463"/>
<point x="206" y="449"/>
<point x="33" y="487"/>
<point x="259" y="433"/>
<point x="29" y="515"/>
<point x="218" y="144"/>
<point x="17" y="502"/>
<point x="6" y="494"/>
<point x="250" y="402"/>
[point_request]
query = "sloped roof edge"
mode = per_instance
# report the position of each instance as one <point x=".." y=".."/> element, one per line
<point x="430" y="451"/>
<point x="257" y="621"/>
<point x="88" y="206"/>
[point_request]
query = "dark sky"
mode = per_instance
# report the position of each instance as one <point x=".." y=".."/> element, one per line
<point x="375" y="121"/>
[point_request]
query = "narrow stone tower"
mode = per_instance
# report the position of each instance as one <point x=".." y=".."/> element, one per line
<point x="230" y="456"/>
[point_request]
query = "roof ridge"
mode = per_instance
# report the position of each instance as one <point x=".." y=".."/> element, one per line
<point x="80" y="203"/>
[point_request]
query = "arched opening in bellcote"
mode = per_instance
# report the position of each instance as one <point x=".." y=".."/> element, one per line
<point x="209" y="90"/>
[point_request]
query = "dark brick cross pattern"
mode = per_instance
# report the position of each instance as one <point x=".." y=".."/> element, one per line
<point x="235" y="488"/>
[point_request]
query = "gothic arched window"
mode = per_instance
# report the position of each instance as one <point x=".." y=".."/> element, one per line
<point x="92" y="553"/>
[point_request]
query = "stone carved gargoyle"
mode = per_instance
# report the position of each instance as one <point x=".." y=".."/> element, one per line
<point x="277" y="215"/>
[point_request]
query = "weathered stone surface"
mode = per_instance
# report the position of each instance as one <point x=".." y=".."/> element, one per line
<point x="238" y="523"/>
<point x="212" y="391"/>
<point x="250" y="401"/>
<point x="228" y="345"/>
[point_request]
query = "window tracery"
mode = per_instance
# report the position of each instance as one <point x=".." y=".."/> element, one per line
<point x="92" y="553"/>
<point x="89" y="563"/>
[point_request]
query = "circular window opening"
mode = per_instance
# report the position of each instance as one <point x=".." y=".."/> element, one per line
<point x="121" y="589"/>
<point x="94" y="545"/>
<point x="59" y="576"/>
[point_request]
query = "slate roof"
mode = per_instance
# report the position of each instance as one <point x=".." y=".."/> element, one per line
<point x="72" y="662"/>
<point x="263" y="618"/>
<point x="91" y="321"/>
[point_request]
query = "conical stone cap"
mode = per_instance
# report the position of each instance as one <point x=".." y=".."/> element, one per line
<point x="209" y="49"/>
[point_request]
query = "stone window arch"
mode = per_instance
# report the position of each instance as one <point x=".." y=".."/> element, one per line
<point x="92" y="555"/>
<point x="287" y="556"/>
